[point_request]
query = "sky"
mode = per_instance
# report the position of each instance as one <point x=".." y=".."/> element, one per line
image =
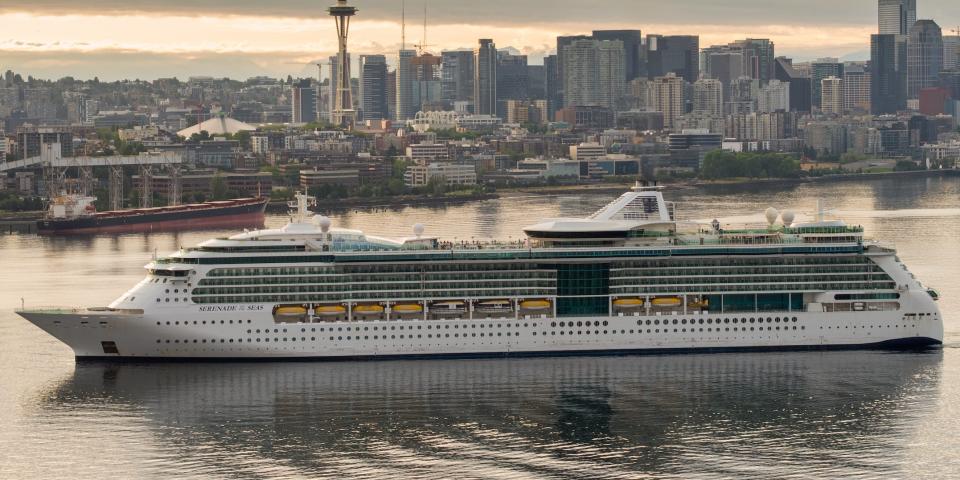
<point x="148" y="39"/>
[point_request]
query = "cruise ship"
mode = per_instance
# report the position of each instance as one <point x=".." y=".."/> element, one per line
<point x="630" y="278"/>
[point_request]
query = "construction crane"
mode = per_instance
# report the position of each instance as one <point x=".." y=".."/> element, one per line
<point x="423" y="40"/>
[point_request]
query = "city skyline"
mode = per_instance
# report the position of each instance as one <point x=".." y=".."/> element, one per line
<point x="136" y="39"/>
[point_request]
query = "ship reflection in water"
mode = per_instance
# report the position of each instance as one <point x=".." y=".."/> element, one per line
<point x="772" y="415"/>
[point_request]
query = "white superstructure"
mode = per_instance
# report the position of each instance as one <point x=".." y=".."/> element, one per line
<point x="630" y="278"/>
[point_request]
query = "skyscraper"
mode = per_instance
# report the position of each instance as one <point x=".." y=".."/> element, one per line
<point x="457" y="75"/>
<point x="373" y="87"/>
<point x="758" y="58"/>
<point x="485" y="78"/>
<point x="632" y="41"/>
<point x="800" y="91"/>
<point x="406" y="77"/>
<point x="303" y="102"/>
<point x="819" y="70"/>
<point x="561" y="64"/>
<point x="593" y="73"/>
<point x="679" y="54"/>
<point x="513" y="79"/>
<point x="924" y="57"/>
<point x="553" y="84"/>
<point x="831" y="101"/>
<point x="951" y="52"/>
<point x="888" y="68"/>
<point x="896" y="17"/>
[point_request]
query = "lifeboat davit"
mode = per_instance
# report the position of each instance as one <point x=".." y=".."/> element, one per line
<point x="535" y="304"/>
<point x="495" y="305"/>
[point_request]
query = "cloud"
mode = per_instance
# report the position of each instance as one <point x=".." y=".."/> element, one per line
<point x="250" y="34"/>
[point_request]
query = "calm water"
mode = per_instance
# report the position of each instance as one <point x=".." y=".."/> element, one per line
<point x="801" y="415"/>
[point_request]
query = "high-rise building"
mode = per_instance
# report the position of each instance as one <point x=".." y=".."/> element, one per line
<point x="722" y="65"/>
<point x="665" y="94"/>
<point x="951" y="52"/>
<point x="856" y="89"/>
<point x="485" y="78"/>
<point x="513" y="80"/>
<point x="831" y="101"/>
<point x="758" y="58"/>
<point x="593" y="73"/>
<point x="819" y="70"/>
<point x="427" y="93"/>
<point x="774" y="97"/>
<point x="391" y="94"/>
<point x="800" y="90"/>
<point x="924" y="57"/>
<point x="708" y="97"/>
<point x="632" y="41"/>
<point x="888" y="73"/>
<point x="406" y="77"/>
<point x="537" y="82"/>
<point x="561" y="62"/>
<point x="553" y="84"/>
<point x="896" y="17"/>
<point x="303" y="102"/>
<point x="457" y="75"/>
<point x="679" y="54"/>
<point x="373" y="87"/>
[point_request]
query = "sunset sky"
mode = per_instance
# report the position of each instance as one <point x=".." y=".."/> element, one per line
<point x="144" y="39"/>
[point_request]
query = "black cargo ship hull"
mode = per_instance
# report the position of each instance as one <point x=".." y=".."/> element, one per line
<point x="160" y="219"/>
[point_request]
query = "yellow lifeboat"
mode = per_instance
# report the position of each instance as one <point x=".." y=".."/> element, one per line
<point x="628" y="302"/>
<point x="368" y="309"/>
<point x="291" y="310"/>
<point x="535" y="304"/>
<point x="408" y="308"/>
<point x="667" y="301"/>
<point x="330" y="309"/>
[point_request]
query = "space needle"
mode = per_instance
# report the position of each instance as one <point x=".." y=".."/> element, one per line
<point x="343" y="113"/>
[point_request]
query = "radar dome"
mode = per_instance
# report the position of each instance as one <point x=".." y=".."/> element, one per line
<point x="771" y="215"/>
<point x="418" y="229"/>
<point x="323" y="223"/>
<point x="788" y="217"/>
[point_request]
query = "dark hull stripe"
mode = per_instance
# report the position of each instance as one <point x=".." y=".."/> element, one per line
<point x="909" y="343"/>
<point x="179" y="215"/>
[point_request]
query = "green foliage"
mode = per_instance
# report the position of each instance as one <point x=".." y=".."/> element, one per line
<point x="720" y="164"/>
<point x="906" y="166"/>
<point x="218" y="188"/>
<point x="11" y="202"/>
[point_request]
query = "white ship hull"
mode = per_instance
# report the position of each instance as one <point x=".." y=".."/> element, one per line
<point x="217" y="335"/>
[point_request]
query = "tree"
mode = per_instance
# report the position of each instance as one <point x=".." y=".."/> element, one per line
<point x="218" y="187"/>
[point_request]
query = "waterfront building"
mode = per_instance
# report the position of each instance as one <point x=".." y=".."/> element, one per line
<point x="448" y="173"/>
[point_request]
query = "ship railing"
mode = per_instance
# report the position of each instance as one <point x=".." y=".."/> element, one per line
<point x="60" y="310"/>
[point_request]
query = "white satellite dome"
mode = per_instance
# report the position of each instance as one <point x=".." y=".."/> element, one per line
<point x="323" y="222"/>
<point x="788" y="217"/>
<point x="771" y="215"/>
<point x="418" y="229"/>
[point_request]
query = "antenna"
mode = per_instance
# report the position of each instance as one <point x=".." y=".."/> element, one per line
<point x="403" y="24"/>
